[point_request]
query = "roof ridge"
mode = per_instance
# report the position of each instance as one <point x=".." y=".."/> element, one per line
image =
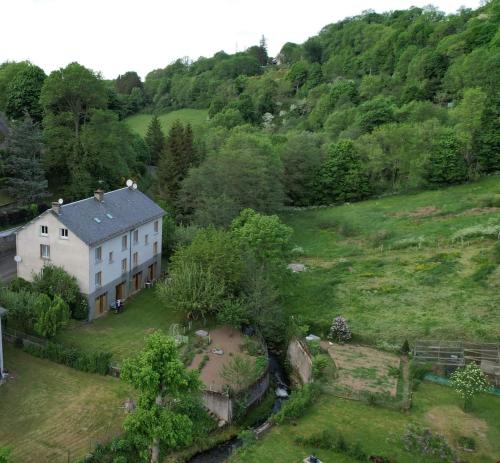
<point x="92" y="197"/>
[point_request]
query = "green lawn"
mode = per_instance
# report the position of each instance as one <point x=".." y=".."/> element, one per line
<point x="122" y="334"/>
<point x="196" y="117"/>
<point x="379" y="430"/>
<point x="361" y="266"/>
<point x="49" y="412"/>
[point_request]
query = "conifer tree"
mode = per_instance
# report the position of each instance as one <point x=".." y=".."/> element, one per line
<point x="178" y="156"/>
<point x="25" y="176"/>
<point x="155" y="139"/>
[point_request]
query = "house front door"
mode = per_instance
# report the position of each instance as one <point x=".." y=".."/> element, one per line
<point x="151" y="272"/>
<point x="137" y="281"/>
<point x="101" y="303"/>
<point x="120" y="291"/>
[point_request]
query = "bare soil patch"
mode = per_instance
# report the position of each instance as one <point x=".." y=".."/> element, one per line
<point x="227" y="339"/>
<point x="425" y="211"/>
<point x="364" y="369"/>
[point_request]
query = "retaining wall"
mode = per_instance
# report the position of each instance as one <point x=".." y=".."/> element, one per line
<point x="300" y="361"/>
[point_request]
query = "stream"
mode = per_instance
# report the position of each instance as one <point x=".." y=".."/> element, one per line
<point x="221" y="453"/>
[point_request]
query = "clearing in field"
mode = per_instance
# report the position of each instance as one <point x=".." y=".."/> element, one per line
<point x="363" y="369"/>
<point x="49" y="412"/>
<point x="420" y="266"/>
<point x="196" y="117"/>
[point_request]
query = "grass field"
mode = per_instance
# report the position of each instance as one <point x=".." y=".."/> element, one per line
<point x="379" y="430"/>
<point x="392" y="268"/>
<point x="122" y="334"/>
<point x="49" y="412"/>
<point x="139" y="122"/>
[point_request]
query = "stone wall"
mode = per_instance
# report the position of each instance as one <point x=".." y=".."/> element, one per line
<point x="300" y="360"/>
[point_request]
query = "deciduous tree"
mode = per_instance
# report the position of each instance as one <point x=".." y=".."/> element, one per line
<point x="161" y="380"/>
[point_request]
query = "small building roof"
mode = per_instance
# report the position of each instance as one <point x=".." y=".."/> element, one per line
<point x="121" y="210"/>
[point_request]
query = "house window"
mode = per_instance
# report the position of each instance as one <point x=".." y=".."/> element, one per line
<point x="124" y="265"/>
<point x="45" y="251"/>
<point x="98" y="254"/>
<point x="98" y="279"/>
<point x="146" y="238"/>
<point x="136" y="236"/>
<point x="136" y="258"/>
<point x="124" y="242"/>
<point x="155" y="247"/>
<point x="156" y="226"/>
<point x="63" y="233"/>
<point x="110" y="257"/>
<point x="44" y="230"/>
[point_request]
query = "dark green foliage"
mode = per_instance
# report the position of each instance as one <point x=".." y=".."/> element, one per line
<point x="155" y="139"/>
<point x="343" y="176"/>
<point x="178" y="156"/>
<point x="446" y="164"/>
<point x="54" y="281"/>
<point x="297" y="405"/>
<point x="405" y="348"/>
<point x="22" y="163"/>
<point x="23" y="94"/>
<point x="91" y="362"/>
<point x="125" y="83"/>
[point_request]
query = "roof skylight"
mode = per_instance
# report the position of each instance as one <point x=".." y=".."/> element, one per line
<point x="98" y="220"/>
<point x="109" y="216"/>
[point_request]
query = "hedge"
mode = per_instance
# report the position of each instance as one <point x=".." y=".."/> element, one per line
<point x="90" y="362"/>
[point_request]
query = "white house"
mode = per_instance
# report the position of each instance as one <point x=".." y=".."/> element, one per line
<point x="110" y="242"/>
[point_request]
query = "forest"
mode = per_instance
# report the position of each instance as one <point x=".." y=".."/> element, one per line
<point x="372" y="105"/>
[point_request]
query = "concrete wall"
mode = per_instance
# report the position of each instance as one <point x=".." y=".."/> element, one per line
<point x="72" y="254"/>
<point x="221" y="405"/>
<point x="300" y="361"/>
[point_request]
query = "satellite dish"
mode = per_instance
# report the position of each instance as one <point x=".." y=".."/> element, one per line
<point x="17" y="259"/>
<point x="129" y="183"/>
<point x="60" y="201"/>
<point x="134" y="186"/>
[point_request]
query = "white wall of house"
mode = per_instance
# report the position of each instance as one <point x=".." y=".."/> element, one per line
<point x="70" y="253"/>
<point x="112" y="270"/>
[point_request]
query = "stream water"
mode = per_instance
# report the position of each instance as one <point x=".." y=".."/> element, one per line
<point x="221" y="453"/>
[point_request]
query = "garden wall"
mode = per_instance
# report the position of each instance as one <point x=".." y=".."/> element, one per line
<point x="300" y="361"/>
<point x="222" y="405"/>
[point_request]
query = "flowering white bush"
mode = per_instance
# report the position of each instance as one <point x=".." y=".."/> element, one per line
<point x="468" y="382"/>
<point x="339" y="331"/>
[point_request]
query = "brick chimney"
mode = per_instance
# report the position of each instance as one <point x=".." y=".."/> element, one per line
<point x="99" y="195"/>
<point x="56" y="207"/>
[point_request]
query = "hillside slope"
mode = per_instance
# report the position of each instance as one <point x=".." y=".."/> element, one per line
<point x="414" y="266"/>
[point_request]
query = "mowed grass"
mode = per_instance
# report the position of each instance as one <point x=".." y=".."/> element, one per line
<point x="391" y="267"/>
<point x="379" y="430"/>
<point x="52" y="413"/>
<point x="122" y="334"/>
<point x="139" y="122"/>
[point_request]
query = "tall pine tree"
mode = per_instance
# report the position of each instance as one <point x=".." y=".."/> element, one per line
<point x="155" y="139"/>
<point x="177" y="158"/>
<point x="26" y="180"/>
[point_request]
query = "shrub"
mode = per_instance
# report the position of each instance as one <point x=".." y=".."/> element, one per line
<point x="319" y="365"/>
<point x="297" y="405"/>
<point x="405" y="348"/>
<point x="423" y="441"/>
<point x="53" y="280"/>
<point x="339" y="331"/>
<point x="20" y="284"/>
<point x="469" y="381"/>
<point x="489" y="200"/>
<point x="90" y="362"/>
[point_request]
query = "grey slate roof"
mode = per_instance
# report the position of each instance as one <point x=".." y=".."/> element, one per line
<point x="128" y="209"/>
